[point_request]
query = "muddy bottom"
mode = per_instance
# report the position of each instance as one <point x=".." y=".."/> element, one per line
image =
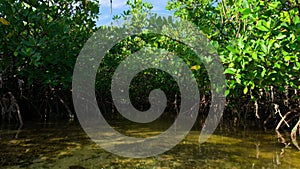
<point x="66" y="145"/>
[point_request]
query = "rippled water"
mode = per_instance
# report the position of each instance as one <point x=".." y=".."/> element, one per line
<point x="65" y="145"/>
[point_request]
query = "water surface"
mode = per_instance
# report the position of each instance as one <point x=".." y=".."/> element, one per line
<point x="61" y="145"/>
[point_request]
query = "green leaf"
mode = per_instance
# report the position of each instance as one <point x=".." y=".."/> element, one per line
<point x="246" y="90"/>
<point x="296" y="20"/>
<point x="254" y="55"/>
<point x="271" y="42"/>
<point x="246" y="3"/>
<point x="268" y="25"/>
<point x="232" y="49"/>
<point x="264" y="47"/>
<point x="246" y="11"/>
<point x="277" y="65"/>
<point x="287" y="58"/>
<point x="273" y="5"/>
<point x="252" y="84"/>
<point x="280" y="36"/>
<point x="227" y="92"/>
<point x="238" y="78"/>
<point x="230" y="71"/>
<point x="261" y="27"/>
<point x="263" y="73"/>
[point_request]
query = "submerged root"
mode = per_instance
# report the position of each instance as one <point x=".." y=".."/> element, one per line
<point x="296" y="127"/>
<point x="10" y="105"/>
<point x="294" y="135"/>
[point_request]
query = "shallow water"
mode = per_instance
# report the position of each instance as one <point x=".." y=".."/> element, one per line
<point x="61" y="145"/>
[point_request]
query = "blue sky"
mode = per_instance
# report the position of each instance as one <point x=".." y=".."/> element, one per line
<point x="120" y="5"/>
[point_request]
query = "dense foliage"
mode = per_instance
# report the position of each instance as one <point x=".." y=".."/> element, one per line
<point x="40" y="41"/>
<point x="258" y="41"/>
<point x="259" y="44"/>
<point x="149" y="79"/>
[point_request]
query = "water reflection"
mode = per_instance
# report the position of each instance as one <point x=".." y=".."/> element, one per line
<point x="65" y="145"/>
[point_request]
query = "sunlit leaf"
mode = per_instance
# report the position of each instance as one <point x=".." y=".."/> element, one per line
<point x="196" y="67"/>
<point x="229" y="71"/>
<point x="261" y="27"/>
<point x="246" y="11"/>
<point x="245" y="90"/>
